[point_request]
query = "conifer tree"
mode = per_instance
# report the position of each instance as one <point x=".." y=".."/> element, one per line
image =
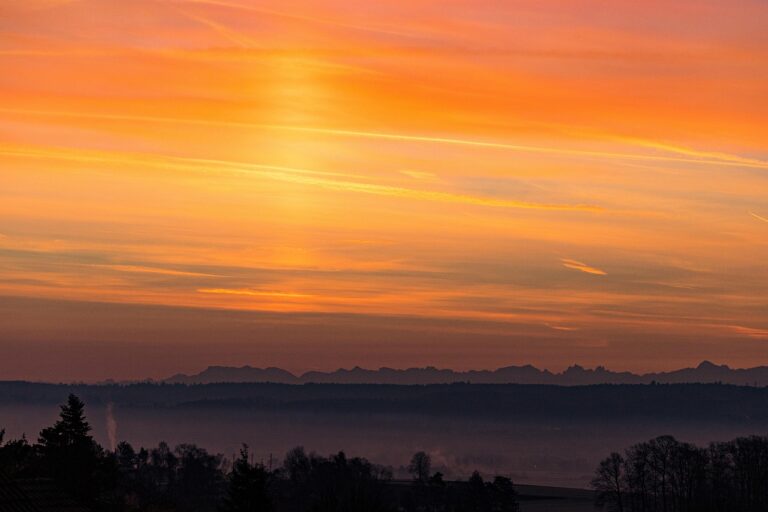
<point x="68" y="452"/>
<point x="247" y="490"/>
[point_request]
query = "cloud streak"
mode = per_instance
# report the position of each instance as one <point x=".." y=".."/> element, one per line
<point x="582" y="267"/>
<point x="152" y="270"/>
<point x="298" y="17"/>
<point x="249" y="292"/>
<point x="732" y="161"/>
<point x="299" y="176"/>
<point x="751" y="332"/>
<point x="233" y="36"/>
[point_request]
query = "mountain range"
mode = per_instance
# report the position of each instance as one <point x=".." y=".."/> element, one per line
<point x="576" y="375"/>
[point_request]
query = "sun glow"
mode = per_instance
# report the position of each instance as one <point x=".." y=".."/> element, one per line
<point x="468" y="162"/>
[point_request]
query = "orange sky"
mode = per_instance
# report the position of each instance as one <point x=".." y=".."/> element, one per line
<point x="458" y="183"/>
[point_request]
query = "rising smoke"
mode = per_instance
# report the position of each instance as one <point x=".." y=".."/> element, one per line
<point x="111" y="426"/>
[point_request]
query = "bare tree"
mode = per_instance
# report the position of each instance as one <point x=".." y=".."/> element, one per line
<point x="420" y="466"/>
<point x="610" y="482"/>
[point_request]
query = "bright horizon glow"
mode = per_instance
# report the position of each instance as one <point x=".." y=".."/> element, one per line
<point x="463" y="184"/>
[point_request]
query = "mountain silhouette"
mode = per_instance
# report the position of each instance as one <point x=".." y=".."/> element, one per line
<point x="236" y="374"/>
<point x="706" y="372"/>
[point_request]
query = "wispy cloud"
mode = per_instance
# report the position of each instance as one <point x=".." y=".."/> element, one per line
<point x="300" y="17"/>
<point x="420" y="175"/>
<point x="152" y="270"/>
<point x="403" y="137"/>
<point x="233" y="36"/>
<point x="696" y="153"/>
<point x="582" y="267"/>
<point x="295" y="175"/>
<point x="562" y="328"/>
<point x="752" y="332"/>
<point x="254" y="293"/>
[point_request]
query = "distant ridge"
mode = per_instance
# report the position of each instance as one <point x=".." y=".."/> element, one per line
<point x="576" y="375"/>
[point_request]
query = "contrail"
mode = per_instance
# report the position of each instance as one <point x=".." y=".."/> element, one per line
<point x="759" y="217"/>
<point x="733" y="162"/>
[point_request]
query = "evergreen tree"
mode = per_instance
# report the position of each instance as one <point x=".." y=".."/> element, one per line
<point x="247" y="490"/>
<point x="68" y="452"/>
<point x="503" y="495"/>
<point x="71" y="430"/>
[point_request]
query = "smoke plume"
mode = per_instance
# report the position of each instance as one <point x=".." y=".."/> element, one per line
<point x="111" y="427"/>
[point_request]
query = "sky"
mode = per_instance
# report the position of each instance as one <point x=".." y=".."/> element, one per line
<point x="330" y="183"/>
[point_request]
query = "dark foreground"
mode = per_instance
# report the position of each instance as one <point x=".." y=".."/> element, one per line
<point x="66" y="469"/>
<point x="536" y="434"/>
<point x="537" y="498"/>
<point x="44" y="495"/>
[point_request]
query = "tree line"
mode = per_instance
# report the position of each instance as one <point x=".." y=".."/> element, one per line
<point x="667" y="475"/>
<point x="716" y="403"/>
<point x="187" y="478"/>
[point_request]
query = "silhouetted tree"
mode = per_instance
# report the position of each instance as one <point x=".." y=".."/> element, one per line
<point x="437" y="480"/>
<point x="126" y="456"/>
<point x="750" y="466"/>
<point x="72" y="427"/>
<point x="335" y="483"/>
<point x="247" y="489"/>
<point x="610" y="482"/>
<point x="721" y="491"/>
<point x="420" y="466"/>
<point x="16" y="457"/>
<point x="198" y="482"/>
<point x="297" y="465"/>
<point x="69" y="453"/>
<point x="437" y="492"/>
<point x="477" y="494"/>
<point x="503" y="496"/>
<point x="666" y="475"/>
